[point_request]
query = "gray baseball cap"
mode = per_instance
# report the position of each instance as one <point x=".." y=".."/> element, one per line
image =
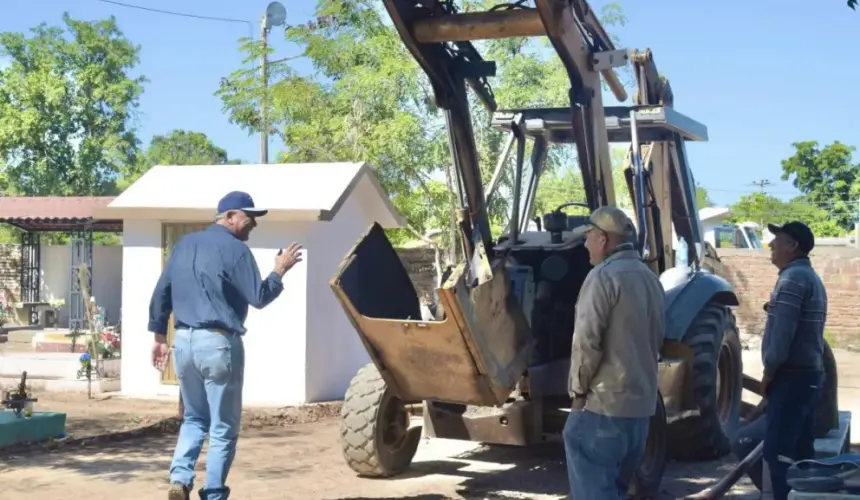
<point x="608" y="219"/>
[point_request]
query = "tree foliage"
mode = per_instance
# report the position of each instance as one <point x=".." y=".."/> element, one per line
<point x="826" y="177"/>
<point x="764" y="209"/>
<point x="703" y="199"/>
<point x="367" y="100"/>
<point x="829" y="183"/>
<point x="179" y="147"/>
<point x="66" y="103"/>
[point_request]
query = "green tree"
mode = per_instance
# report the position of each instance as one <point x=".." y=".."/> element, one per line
<point x="179" y="147"/>
<point x="826" y="177"/>
<point x="852" y="4"/>
<point x="368" y="100"/>
<point x="66" y="103"/>
<point x="703" y="200"/>
<point x="764" y="208"/>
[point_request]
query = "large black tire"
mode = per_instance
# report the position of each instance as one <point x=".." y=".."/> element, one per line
<point x="646" y="482"/>
<point x="717" y="387"/>
<point x="374" y="432"/>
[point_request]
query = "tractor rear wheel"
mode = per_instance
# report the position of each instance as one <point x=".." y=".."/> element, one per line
<point x="375" y="435"/>
<point x="717" y="374"/>
<point x="646" y="482"/>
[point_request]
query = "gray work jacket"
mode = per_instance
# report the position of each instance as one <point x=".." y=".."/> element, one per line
<point x="617" y="337"/>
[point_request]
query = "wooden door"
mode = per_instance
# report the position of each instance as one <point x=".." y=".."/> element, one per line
<point x="170" y="234"/>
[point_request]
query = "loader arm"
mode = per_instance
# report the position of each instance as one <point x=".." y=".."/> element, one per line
<point x="664" y="177"/>
<point x="439" y="37"/>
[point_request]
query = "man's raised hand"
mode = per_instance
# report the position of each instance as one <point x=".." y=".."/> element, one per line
<point x="287" y="258"/>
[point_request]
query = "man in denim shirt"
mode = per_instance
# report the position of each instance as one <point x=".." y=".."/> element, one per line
<point x="208" y="283"/>
<point x="792" y="351"/>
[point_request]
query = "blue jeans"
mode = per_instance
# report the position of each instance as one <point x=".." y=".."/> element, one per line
<point x="790" y="416"/>
<point x="210" y="366"/>
<point x="603" y="453"/>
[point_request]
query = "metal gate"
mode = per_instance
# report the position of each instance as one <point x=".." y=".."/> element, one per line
<point x="31" y="259"/>
<point x="81" y="251"/>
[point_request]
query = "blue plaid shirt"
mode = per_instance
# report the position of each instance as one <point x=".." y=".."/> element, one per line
<point x="797" y="311"/>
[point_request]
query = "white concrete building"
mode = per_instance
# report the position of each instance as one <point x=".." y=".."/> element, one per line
<point x="301" y="348"/>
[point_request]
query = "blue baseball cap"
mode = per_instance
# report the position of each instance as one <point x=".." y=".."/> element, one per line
<point x="239" y="200"/>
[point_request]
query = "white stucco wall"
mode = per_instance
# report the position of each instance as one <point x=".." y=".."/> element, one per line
<point x="334" y="350"/>
<point x="107" y="278"/>
<point x="274" y="344"/>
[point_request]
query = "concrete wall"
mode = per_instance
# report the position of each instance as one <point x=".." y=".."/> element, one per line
<point x="56" y="276"/>
<point x="753" y="276"/>
<point x="334" y="349"/>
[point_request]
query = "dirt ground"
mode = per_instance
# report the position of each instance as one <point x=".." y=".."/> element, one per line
<point x="110" y="413"/>
<point x="295" y="454"/>
<point x="292" y="454"/>
<point x="303" y="461"/>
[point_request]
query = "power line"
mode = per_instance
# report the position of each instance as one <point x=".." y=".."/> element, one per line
<point x="761" y="184"/>
<point x="179" y="14"/>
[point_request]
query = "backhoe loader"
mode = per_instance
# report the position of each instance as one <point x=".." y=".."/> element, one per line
<point x="492" y="363"/>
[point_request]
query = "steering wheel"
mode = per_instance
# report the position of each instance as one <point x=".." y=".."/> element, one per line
<point x="572" y="204"/>
<point x="556" y="221"/>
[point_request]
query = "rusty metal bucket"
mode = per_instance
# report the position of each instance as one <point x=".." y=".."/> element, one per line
<point x="475" y="355"/>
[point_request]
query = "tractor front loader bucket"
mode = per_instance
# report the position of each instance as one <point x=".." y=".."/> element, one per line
<point x="475" y="355"/>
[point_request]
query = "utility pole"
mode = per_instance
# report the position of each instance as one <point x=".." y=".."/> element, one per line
<point x="264" y="79"/>
<point x="761" y="184"/>
<point x="275" y="15"/>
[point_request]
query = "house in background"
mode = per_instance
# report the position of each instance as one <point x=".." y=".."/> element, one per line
<point x="299" y="349"/>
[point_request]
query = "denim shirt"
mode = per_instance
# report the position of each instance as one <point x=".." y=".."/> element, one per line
<point x="797" y="311"/>
<point x="209" y="281"/>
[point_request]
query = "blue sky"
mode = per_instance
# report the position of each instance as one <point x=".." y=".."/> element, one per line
<point x="759" y="74"/>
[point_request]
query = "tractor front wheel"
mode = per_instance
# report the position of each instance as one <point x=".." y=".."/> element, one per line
<point x="717" y="386"/>
<point x="375" y="435"/>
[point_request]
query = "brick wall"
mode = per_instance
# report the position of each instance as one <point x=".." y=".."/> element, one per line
<point x="753" y="276"/>
<point x="419" y="264"/>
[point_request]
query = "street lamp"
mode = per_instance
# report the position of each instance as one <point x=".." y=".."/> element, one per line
<point x="275" y="15"/>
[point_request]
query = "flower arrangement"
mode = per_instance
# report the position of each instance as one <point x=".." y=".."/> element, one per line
<point x="86" y="364"/>
<point x="108" y="344"/>
<point x="86" y="370"/>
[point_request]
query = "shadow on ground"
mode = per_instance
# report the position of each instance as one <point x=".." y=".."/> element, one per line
<point x="121" y="462"/>
<point x="304" y="461"/>
<point x="540" y="472"/>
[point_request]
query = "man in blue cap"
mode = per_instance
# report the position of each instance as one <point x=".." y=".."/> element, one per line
<point x="208" y="283"/>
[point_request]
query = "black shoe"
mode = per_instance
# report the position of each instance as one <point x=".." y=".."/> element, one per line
<point x="178" y="491"/>
<point x="204" y="494"/>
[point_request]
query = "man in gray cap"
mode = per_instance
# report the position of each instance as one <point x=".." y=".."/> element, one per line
<point x="613" y="367"/>
<point x="208" y="283"/>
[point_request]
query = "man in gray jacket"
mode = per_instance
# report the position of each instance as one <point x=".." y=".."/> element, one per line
<point x="613" y="367"/>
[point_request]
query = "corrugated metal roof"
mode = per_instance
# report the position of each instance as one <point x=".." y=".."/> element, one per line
<point x="306" y="190"/>
<point x="55" y="213"/>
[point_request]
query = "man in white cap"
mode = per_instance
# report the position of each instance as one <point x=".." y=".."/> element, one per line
<point x="613" y="367"/>
<point x="208" y="283"/>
